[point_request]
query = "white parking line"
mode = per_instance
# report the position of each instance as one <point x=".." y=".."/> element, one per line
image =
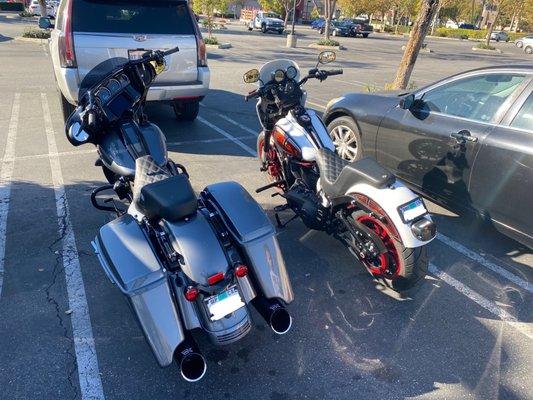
<point x="86" y="359"/>
<point x="6" y="174"/>
<point x="245" y="147"/>
<point x="243" y="127"/>
<point x="486" y="263"/>
<point x="524" y="328"/>
<point x="218" y="140"/>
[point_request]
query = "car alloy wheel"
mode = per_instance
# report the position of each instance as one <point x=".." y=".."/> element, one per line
<point x="529" y="50"/>
<point x="345" y="141"/>
<point x="519" y="45"/>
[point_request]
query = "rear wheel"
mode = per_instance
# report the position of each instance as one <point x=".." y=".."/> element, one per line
<point x="519" y="44"/>
<point x="400" y="267"/>
<point x="66" y="107"/>
<point x="263" y="28"/>
<point x="346" y="137"/>
<point x="186" y="111"/>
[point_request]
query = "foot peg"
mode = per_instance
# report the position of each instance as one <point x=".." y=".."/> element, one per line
<point x="270" y="185"/>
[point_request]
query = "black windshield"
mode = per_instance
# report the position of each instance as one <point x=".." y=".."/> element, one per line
<point x="99" y="73"/>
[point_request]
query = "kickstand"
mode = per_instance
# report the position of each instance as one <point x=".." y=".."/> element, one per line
<point x="284" y="224"/>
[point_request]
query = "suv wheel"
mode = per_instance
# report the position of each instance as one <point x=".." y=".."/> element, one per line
<point x="186" y="111"/>
<point x="264" y="28"/>
<point x="519" y="44"/>
<point x="529" y="49"/>
<point x="66" y="107"/>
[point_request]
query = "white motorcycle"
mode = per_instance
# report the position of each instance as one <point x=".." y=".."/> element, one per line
<point x="382" y="222"/>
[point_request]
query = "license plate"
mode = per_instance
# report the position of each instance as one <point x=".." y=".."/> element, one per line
<point x="412" y="210"/>
<point x="224" y="303"/>
<point x="136" y="54"/>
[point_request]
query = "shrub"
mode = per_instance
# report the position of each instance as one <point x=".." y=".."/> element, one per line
<point x="211" y="40"/>
<point x="11" y="7"/>
<point x="462" y="33"/>
<point x="485" y="46"/>
<point x="36" y="33"/>
<point x="26" y="14"/>
<point x="326" y="42"/>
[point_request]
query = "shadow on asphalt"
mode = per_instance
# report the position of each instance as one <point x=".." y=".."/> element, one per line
<point x="347" y="335"/>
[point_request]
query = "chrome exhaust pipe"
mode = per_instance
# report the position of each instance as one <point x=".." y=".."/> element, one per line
<point x="190" y="360"/>
<point x="277" y="317"/>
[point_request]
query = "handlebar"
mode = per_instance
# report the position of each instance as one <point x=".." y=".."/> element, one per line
<point x="335" y="72"/>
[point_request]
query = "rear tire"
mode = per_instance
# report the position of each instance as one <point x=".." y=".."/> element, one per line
<point x="410" y="265"/>
<point x="346" y="137"/>
<point x="66" y="107"/>
<point x="186" y="111"/>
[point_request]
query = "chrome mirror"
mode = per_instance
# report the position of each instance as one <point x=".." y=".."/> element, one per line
<point x="326" y="57"/>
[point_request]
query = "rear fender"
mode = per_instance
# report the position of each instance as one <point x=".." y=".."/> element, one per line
<point x="251" y="229"/>
<point x="389" y="199"/>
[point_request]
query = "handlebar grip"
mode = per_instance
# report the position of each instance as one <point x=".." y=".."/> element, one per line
<point x="171" y="51"/>
<point x="336" y="72"/>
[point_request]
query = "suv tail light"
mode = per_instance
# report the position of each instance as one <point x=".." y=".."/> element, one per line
<point x="67" y="57"/>
<point x="202" y="55"/>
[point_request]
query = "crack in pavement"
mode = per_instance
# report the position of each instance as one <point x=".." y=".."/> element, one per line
<point x="57" y="270"/>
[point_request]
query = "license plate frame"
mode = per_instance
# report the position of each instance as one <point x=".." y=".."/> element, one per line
<point x="136" y="54"/>
<point x="223" y="303"/>
<point x="412" y="210"/>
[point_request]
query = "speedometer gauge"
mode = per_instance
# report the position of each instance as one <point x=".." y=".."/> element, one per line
<point x="104" y="95"/>
<point x="291" y="72"/>
<point x="113" y="85"/>
<point x="279" y="75"/>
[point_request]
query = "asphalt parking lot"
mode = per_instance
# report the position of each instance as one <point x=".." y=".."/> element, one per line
<point x="66" y="332"/>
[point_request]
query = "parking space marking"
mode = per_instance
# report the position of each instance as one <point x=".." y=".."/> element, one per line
<point x="86" y="359"/>
<point x="488" y="305"/>
<point x="6" y="174"/>
<point x="486" y="263"/>
<point x="60" y="154"/>
<point x="316" y="104"/>
<point x="218" y="140"/>
<point x="245" y="147"/>
<point x="238" y="124"/>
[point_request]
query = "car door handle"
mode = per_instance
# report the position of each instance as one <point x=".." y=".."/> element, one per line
<point x="464" y="135"/>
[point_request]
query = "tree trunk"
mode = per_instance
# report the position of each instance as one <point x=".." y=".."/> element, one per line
<point x="416" y="39"/>
<point x="44" y="12"/>
<point x="491" y="27"/>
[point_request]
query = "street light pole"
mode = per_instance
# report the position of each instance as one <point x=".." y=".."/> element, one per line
<point x="291" y="37"/>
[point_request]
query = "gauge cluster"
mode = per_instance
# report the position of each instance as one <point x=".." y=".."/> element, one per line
<point x="111" y="88"/>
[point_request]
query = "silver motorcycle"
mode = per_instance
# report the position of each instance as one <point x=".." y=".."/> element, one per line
<point x="185" y="262"/>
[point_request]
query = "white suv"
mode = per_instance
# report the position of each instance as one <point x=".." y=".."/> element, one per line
<point x="88" y="32"/>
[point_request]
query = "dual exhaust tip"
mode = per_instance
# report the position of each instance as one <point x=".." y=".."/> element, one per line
<point x="192" y="363"/>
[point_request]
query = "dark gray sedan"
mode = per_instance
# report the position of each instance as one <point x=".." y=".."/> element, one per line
<point x="465" y="142"/>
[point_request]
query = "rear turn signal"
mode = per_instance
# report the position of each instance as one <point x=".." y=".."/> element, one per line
<point x="191" y="294"/>
<point x="241" y="271"/>
<point x="67" y="57"/>
<point x="202" y="55"/>
<point x="215" y="278"/>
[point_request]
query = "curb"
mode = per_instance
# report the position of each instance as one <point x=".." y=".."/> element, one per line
<point x="31" y="40"/>
<point x="319" y="46"/>
<point x="486" y="51"/>
<point x="219" y="46"/>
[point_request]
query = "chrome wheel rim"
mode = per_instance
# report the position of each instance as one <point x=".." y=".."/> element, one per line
<point x="345" y="142"/>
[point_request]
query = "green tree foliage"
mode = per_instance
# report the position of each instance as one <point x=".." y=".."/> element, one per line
<point x="208" y="8"/>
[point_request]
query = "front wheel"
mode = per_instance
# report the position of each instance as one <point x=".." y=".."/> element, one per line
<point x="519" y="44"/>
<point x="529" y="50"/>
<point x="400" y="268"/>
<point x="365" y="35"/>
<point x="263" y="28"/>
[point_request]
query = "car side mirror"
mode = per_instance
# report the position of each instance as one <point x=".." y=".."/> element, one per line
<point x="45" y="23"/>
<point x="407" y="102"/>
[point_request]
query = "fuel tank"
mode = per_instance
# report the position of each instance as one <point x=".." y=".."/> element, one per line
<point x="306" y="131"/>
<point x="118" y="148"/>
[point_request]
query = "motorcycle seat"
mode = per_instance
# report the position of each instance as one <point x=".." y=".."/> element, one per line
<point x="338" y="175"/>
<point x="160" y="195"/>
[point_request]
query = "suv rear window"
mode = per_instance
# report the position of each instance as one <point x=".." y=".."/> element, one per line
<point x="132" y="16"/>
